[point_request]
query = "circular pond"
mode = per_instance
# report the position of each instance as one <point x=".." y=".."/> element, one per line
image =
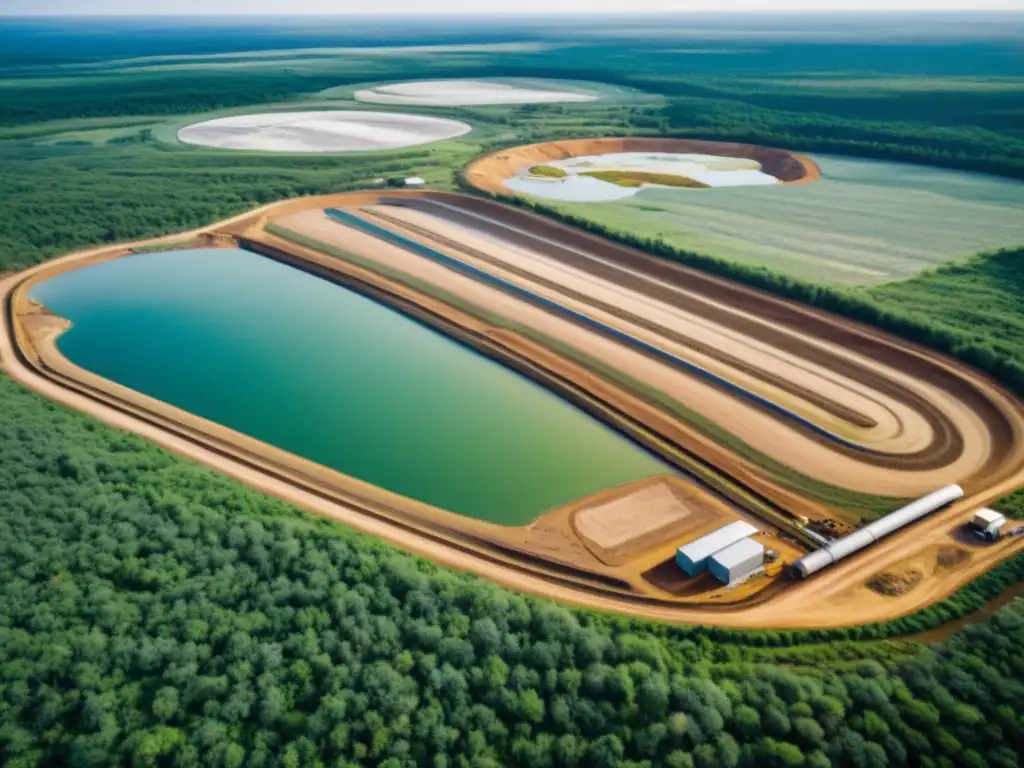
<point x="460" y="93"/>
<point x="321" y="131"/>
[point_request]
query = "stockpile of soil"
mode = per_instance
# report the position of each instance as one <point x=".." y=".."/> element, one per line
<point x="894" y="584"/>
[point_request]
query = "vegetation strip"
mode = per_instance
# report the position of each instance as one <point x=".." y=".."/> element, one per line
<point x="639" y="178"/>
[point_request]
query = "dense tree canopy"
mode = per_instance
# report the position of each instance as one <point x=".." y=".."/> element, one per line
<point x="156" y="613"/>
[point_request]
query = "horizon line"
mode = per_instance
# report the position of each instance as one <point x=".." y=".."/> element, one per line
<point x="535" y="14"/>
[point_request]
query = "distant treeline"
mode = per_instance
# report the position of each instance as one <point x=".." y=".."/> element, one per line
<point x="974" y="129"/>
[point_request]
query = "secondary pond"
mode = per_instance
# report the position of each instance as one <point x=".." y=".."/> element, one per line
<point x="315" y="369"/>
<point x="576" y="186"/>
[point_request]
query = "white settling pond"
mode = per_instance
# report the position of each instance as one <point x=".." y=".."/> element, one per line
<point x="459" y="93"/>
<point x="710" y="170"/>
<point x="321" y="131"/>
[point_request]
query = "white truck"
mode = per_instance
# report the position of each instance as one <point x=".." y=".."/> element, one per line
<point x="987" y="523"/>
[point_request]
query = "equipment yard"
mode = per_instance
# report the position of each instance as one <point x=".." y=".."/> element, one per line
<point x="786" y="418"/>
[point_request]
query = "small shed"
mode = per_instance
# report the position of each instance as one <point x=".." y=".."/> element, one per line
<point x="415" y="181"/>
<point x="693" y="557"/>
<point x="737" y="562"/>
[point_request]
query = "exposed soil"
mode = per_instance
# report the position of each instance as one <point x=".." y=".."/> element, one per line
<point x="621" y="524"/>
<point x="489" y="173"/>
<point x="893" y="584"/>
<point x="951" y="557"/>
<point x="927" y="419"/>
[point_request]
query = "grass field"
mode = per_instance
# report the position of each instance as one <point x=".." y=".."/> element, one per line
<point x="981" y="299"/>
<point x="865" y="222"/>
<point x="639" y="178"/>
<point x="549" y="171"/>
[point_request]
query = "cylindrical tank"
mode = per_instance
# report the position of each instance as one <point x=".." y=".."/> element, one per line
<point x="869" y="534"/>
<point x="915" y="510"/>
<point x="814" y="562"/>
<point x="850" y="544"/>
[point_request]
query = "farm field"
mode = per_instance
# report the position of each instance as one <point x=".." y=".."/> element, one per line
<point x="864" y="222"/>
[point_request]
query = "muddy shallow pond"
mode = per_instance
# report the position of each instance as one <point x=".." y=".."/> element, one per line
<point x="323" y="372"/>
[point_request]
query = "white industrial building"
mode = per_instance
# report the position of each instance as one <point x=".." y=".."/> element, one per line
<point x="693" y="557"/>
<point x="737" y="562"/>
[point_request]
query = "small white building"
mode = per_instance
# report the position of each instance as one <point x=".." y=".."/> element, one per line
<point x="987" y="523"/>
<point x="693" y="557"/>
<point x="735" y="563"/>
<point x="415" y="181"/>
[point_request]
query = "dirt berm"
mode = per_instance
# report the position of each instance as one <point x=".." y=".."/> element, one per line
<point x="489" y="173"/>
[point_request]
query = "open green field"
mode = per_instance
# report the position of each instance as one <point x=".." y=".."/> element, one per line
<point x="865" y="222"/>
<point x="639" y="178"/>
<point x="549" y="171"/>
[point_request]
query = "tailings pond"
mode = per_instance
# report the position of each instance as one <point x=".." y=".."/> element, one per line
<point x="327" y="374"/>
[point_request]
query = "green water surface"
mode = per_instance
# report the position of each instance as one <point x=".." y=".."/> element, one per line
<point x="315" y="369"/>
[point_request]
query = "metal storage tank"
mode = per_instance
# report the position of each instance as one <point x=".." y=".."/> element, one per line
<point x="693" y="557"/>
<point x="736" y="562"/>
<point x="812" y="563"/>
<point x="869" y="534"/>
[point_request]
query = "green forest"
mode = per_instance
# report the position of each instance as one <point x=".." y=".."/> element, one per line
<point x="155" y="613"/>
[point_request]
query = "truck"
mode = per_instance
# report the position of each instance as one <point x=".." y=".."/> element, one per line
<point x="987" y="523"/>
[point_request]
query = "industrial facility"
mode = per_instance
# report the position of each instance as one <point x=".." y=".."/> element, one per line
<point x="737" y="562"/>
<point x="869" y="534"/>
<point x="728" y="553"/>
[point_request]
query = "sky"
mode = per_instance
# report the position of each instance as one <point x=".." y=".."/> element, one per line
<point x="422" y="7"/>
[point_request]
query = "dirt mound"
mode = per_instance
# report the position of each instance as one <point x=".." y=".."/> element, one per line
<point x="950" y="557"/>
<point x="894" y="584"/>
<point x="489" y="173"/>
